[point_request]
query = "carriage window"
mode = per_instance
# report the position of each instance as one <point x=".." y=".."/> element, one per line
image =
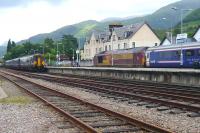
<point x="198" y="52"/>
<point x="189" y="53"/>
<point x="178" y="53"/>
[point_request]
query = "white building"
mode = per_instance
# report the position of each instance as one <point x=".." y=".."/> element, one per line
<point x="120" y="37"/>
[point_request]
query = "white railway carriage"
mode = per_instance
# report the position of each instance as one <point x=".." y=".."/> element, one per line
<point x="30" y="62"/>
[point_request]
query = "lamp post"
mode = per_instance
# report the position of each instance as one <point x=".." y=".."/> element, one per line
<point x="43" y="49"/>
<point x="112" y="60"/>
<point x="112" y="55"/>
<point x="181" y="11"/>
<point x="49" y="59"/>
<point x="171" y="33"/>
<point x="72" y="57"/>
<point x="58" y="53"/>
<point x="77" y="55"/>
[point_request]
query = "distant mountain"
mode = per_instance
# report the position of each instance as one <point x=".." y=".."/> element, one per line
<point x="2" y="50"/>
<point x="78" y="30"/>
<point x="84" y="29"/>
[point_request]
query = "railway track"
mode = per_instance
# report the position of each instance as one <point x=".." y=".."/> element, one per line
<point x="128" y="92"/>
<point x="85" y="115"/>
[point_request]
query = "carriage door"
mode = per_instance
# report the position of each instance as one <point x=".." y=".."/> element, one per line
<point x="189" y="54"/>
<point x="35" y="61"/>
<point x="39" y="61"/>
<point x="147" y="58"/>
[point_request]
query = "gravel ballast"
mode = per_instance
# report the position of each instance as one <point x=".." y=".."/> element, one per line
<point x="174" y="122"/>
<point x="21" y="113"/>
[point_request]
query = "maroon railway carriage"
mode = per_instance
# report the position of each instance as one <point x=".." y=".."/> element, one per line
<point x="134" y="57"/>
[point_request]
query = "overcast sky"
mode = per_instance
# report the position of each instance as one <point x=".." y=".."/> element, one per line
<point x="20" y="19"/>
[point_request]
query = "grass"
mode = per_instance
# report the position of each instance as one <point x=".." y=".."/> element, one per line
<point x="15" y="100"/>
<point x="85" y="30"/>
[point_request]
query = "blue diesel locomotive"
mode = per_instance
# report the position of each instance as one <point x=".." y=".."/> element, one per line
<point x="174" y="56"/>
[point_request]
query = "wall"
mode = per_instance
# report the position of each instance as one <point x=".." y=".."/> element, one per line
<point x="145" y="37"/>
<point x="176" y="76"/>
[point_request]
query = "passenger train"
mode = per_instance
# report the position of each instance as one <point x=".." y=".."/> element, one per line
<point x="169" y="56"/>
<point x="33" y="62"/>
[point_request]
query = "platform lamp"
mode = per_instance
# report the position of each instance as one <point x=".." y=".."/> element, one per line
<point x="73" y="55"/>
<point x="171" y="32"/>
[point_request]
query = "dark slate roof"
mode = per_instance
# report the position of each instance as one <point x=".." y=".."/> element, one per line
<point x="122" y="32"/>
<point x="104" y="36"/>
<point x="127" y="31"/>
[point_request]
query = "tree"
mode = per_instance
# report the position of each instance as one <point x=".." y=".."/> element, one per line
<point x="13" y="44"/>
<point x="9" y="46"/>
<point x="49" y="42"/>
<point x="69" y="42"/>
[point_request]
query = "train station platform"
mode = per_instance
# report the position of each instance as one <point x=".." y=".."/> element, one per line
<point x="165" y="75"/>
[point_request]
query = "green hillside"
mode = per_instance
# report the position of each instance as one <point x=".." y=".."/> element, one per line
<point x="190" y="23"/>
<point x="83" y="29"/>
<point x="2" y="50"/>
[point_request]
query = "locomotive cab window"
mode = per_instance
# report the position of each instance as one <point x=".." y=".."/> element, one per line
<point x="189" y="53"/>
<point x="100" y="59"/>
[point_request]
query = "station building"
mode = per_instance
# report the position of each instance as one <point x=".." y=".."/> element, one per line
<point x="120" y="37"/>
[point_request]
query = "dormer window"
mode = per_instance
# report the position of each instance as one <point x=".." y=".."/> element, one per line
<point x="125" y="34"/>
<point x="125" y="45"/>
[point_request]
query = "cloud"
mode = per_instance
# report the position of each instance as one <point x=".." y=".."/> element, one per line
<point x="14" y="3"/>
<point x="21" y="19"/>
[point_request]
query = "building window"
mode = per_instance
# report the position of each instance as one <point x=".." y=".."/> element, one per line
<point x="133" y="44"/>
<point x="156" y="44"/>
<point x="125" y="45"/>
<point x="118" y="46"/>
<point x="109" y="47"/>
<point x="99" y="49"/>
<point x="87" y="52"/>
<point x="106" y="48"/>
<point x="96" y="50"/>
<point x="125" y="35"/>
